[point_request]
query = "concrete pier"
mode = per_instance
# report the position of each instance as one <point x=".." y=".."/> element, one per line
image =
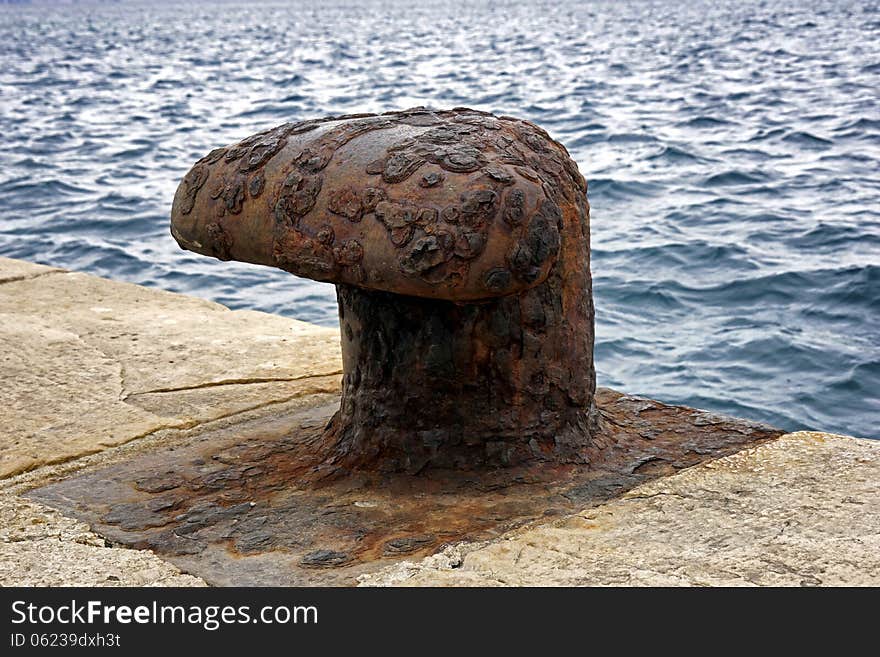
<point x="101" y="374"/>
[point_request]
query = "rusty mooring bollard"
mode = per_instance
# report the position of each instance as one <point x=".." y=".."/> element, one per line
<point x="460" y="248"/>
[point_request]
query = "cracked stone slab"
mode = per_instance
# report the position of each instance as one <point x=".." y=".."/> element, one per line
<point x="61" y="397"/>
<point x="41" y="547"/>
<point x="800" y="510"/>
<point x="17" y="270"/>
<point x="91" y="363"/>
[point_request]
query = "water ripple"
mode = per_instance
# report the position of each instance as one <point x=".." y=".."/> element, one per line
<point x="732" y="150"/>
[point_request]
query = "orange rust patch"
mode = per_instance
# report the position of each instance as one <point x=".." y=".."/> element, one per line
<point x="248" y="506"/>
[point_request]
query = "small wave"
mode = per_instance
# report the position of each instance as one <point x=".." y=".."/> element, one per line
<point x="806" y="139"/>
<point x="861" y="382"/>
<point x="729" y="257"/>
<point x="656" y="297"/>
<point x="768" y="134"/>
<point x="705" y="122"/>
<point x="851" y="287"/>
<point x="164" y="84"/>
<point x="862" y="124"/>
<point x="675" y="154"/>
<point x="826" y="235"/>
<point x="759" y="154"/>
<point x="26" y="187"/>
<point x="782" y="287"/>
<point x="31" y="163"/>
<point x="623" y="188"/>
<point x="282" y="110"/>
<point x="731" y="178"/>
<point x="630" y="137"/>
<point x="132" y="153"/>
<point x="621" y="347"/>
<point x="587" y="139"/>
<point x="289" y="81"/>
<point x="774" y="352"/>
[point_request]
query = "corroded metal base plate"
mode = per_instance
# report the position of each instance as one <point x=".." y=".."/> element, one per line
<point x="238" y="507"/>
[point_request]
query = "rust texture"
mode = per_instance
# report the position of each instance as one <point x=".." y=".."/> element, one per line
<point x="239" y="506"/>
<point x="459" y="244"/>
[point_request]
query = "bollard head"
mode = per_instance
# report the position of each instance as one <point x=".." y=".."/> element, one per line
<point x="448" y="205"/>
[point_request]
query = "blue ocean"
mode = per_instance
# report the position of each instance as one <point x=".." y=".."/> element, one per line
<point x="732" y="151"/>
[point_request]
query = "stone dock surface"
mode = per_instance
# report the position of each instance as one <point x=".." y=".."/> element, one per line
<point x="96" y="372"/>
